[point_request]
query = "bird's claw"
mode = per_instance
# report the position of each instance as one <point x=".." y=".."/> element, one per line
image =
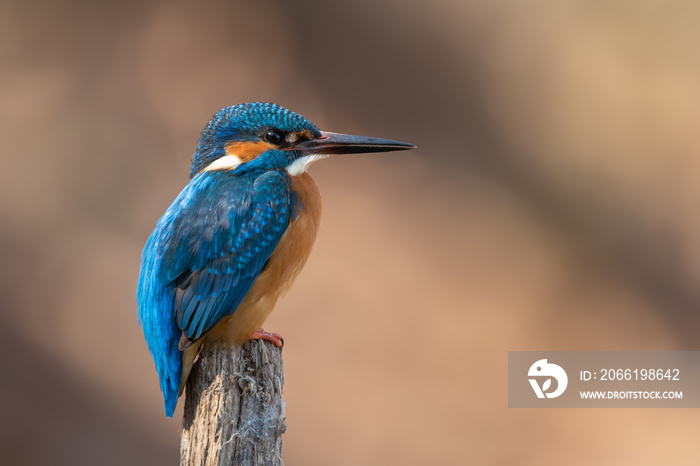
<point x="274" y="338"/>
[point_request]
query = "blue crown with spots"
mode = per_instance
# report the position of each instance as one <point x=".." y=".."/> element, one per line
<point x="244" y="122"/>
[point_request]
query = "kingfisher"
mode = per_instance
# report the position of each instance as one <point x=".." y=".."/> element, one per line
<point x="237" y="236"/>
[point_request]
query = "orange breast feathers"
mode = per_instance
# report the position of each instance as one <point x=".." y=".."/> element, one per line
<point x="283" y="267"/>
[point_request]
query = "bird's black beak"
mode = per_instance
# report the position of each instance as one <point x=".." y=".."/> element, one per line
<point x="336" y="143"/>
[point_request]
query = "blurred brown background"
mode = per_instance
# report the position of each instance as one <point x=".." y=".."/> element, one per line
<point x="552" y="205"/>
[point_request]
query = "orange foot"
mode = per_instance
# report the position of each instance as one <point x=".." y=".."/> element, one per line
<point x="275" y="338"/>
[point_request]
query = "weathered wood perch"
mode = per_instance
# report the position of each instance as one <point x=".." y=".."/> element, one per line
<point x="234" y="411"/>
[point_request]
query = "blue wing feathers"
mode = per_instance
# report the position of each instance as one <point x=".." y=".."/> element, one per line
<point x="160" y="329"/>
<point x="203" y="257"/>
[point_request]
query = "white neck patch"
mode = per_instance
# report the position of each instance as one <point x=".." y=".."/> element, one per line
<point x="227" y="162"/>
<point x="301" y="164"/>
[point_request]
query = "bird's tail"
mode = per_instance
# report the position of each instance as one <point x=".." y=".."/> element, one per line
<point x="189" y="354"/>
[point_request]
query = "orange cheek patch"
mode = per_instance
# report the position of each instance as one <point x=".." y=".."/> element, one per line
<point x="248" y="150"/>
<point x="305" y="135"/>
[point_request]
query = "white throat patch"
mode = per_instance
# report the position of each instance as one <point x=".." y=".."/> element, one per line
<point x="227" y="162"/>
<point x="301" y="164"/>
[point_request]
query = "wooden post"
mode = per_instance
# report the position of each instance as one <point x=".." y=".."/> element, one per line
<point x="234" y="411"/>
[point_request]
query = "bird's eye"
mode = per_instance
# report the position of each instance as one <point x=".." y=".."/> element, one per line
<point x="274" y="136"/>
